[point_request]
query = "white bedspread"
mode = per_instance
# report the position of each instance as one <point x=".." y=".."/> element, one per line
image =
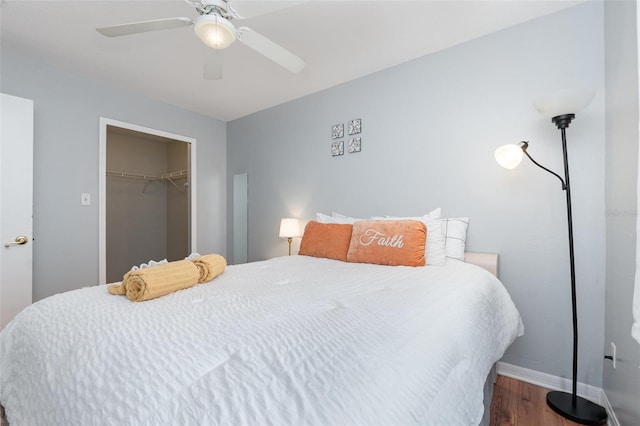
<point x="291" y="341"/>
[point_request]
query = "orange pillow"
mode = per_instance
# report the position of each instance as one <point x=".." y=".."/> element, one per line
<point x="330" y="240"/>
<point x="388" y="242"/>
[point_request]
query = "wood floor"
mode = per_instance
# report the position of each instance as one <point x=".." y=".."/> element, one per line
<point x="519" y="403"/>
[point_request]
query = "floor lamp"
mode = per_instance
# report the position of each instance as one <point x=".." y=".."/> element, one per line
<point x="561" y="109"/>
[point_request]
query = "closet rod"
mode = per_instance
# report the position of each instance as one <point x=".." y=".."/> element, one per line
<point x="167" y="176"/>
<point x="174" y="175"/>
<point x="131" y="175"/>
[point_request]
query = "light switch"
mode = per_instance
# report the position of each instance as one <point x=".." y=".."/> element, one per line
<point x="85" y="199"/>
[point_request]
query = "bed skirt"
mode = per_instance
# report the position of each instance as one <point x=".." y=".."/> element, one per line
<point x="488" y="395"/>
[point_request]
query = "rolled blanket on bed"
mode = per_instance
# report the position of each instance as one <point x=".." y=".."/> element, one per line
<point x="210" y="266"/>
<point x="117" y="289"/>
<point x="149" y="283"/>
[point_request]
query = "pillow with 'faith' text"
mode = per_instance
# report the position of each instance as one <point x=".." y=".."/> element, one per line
<point x="388" y="242"/>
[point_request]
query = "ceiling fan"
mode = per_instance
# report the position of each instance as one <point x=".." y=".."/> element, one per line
<point x="214" y="28"/>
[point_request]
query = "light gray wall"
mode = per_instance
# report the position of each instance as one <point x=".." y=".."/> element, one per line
<point x="621" y="385"/>
<point x="240" y="219"/>
<point x="430" y="127"/>
<point x="67" y="112"/>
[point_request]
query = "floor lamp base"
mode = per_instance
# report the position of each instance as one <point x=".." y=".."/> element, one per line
<point x="584" y="412"/>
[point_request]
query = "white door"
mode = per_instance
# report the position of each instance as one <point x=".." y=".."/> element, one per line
<point x="16" y="205"/>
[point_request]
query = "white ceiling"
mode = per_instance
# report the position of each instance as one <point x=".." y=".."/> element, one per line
<point x="340" y="41"/>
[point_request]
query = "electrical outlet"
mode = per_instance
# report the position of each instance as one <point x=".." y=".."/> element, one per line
<point x="613" y="354"/>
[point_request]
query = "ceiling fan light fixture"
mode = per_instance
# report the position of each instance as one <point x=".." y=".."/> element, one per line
<point x="215" y="31"/>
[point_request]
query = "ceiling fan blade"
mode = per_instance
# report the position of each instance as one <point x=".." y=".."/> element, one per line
<point x="250" y="8"/>
<point x="144" y="26"/>
<point x="271" y="50"/>
<point x="213" y="64"/>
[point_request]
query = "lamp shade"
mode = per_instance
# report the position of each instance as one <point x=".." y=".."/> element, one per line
<point x="289" y="228"/>
<point x="509" y="156"/>
<point x="215" y="31"/>
<point x="564" y="102"/>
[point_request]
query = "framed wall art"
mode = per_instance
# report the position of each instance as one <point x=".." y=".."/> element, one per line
<point x="354" y="145"/>
<point x="337" y="148"/>
<point x="355" y="126"/>
<point x="337" y="131"/>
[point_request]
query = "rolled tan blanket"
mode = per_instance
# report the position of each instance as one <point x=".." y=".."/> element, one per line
<point x="149" y="283"/>
<point x="209" y="266"/>
<point x="117" y="288"/>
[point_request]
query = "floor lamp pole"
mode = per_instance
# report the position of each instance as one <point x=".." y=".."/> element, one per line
<point x="573" y="268"/>
<point x="571" y="406"/>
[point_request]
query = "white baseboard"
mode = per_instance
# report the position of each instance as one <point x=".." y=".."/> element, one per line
<point x="613" y="420"/>
<point x="548" y="381"/>
<point x="592" y="393"/>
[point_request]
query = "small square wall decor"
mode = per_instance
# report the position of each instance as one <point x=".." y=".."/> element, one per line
<point x="354" y="145"/>
<point x="337" y="131"/>
<point x="337" y="148"/>
<point x="355" y="126"/>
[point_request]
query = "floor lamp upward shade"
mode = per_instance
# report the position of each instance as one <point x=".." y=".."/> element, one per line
<point x="561" y="108"/>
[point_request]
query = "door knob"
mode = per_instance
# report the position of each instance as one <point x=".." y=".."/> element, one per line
<point x="22" y="239"/>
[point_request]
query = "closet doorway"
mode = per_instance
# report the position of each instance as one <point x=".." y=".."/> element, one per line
<point x="147" y="200"/>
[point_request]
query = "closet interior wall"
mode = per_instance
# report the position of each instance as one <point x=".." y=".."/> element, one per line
<point x="147" y="219"/>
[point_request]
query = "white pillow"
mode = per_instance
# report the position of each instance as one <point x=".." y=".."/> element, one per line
<point x="432" y="215"/>
<point x="344" y="219"/>
<point x="323" y="218"/>
<point x="436" y="244"/>
<point x="434" y="252"/>
<point x="455" y="235"/>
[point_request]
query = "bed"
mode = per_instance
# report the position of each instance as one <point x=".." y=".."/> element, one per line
<point x="288" y="341"/>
